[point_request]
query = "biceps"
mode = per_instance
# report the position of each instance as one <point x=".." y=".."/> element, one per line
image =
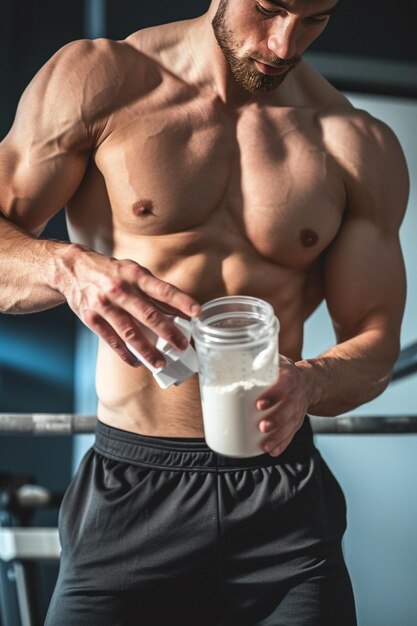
<point x="34" y="186"/>
<point x="365" y="280"/>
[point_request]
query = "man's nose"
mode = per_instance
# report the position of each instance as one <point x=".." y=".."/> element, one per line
<point x="282" y="41"/>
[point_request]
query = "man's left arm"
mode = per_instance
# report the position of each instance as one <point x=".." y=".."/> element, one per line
<point x="364" y="281"/>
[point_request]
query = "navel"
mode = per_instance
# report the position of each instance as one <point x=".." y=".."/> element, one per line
<point x="309" y="238"/>
<point x="143" y="208"/>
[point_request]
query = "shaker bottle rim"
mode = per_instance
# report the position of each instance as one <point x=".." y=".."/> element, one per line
<point x="232" y="319"/>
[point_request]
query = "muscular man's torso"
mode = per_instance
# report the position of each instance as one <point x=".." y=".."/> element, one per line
<point x="214" y="198"/>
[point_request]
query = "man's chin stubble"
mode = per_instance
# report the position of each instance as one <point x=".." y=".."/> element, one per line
<point x="254" y="82"/>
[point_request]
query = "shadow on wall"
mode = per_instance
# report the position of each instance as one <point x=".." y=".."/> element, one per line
<point x="36" y="362"/>
<point x="31" y="392"/>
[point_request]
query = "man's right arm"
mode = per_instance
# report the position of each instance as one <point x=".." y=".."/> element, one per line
<point x="42" y="162"/>
<point x="27" y="270"/>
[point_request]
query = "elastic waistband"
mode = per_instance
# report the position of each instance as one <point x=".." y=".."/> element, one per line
<point x="188" y="453"/>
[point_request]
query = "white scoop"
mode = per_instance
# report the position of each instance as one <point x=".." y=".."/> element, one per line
<point x="180" y="364"/>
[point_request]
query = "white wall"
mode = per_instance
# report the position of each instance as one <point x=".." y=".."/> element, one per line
<point x="379" y="473"/>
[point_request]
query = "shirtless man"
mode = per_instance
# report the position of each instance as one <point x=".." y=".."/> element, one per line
<point x="200" y="159"/>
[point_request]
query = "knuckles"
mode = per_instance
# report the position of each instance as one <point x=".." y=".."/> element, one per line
<point x="132" y="271"/>
<point x="151" y="316"/>
<point x="92" y="318"/>
<point x="165" y="290"/>
<point x="129" y="334"/>
<point x="116" y="288"/>
<point x="101" y="301"/>
<point x="148" y="355"/>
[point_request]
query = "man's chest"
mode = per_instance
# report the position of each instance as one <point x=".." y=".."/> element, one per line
<point x="263" y="173"/>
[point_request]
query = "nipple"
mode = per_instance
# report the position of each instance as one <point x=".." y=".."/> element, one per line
<point x="143" y="208"/>
<point x="309" y="238"/>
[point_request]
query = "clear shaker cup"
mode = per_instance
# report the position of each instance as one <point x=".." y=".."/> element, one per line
<point x="236" y="339"/>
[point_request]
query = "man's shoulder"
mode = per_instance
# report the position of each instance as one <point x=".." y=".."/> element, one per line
<point x="93" y="61"/>
<point x="86" y="81"/>
<point x="333" y="112"/>
<point x="100" y="70"/>
<point x="371" y="161"/>
<point x="336" y="114"/>
<point x="365" y="148"/>
<point x="353" y="133"/>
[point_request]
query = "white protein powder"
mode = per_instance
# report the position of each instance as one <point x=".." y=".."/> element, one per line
<point x="231" y="419"/>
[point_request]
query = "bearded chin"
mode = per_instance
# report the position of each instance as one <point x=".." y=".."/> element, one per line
<point x="251" y="80"/>
<point x="242" y="68"/>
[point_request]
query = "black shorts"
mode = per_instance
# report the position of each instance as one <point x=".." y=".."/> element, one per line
<point x="166" y="532"/>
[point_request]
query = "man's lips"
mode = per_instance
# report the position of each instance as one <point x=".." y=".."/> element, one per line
<point x="271" y="70"/>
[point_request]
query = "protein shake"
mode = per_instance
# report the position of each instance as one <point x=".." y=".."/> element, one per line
<point x="236" y="339"/>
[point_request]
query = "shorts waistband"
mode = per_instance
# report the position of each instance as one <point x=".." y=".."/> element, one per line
<point x="189" y="453"/>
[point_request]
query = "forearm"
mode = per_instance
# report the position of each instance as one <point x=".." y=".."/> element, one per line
<point x="349" y="374"/>
<point x="28" y="268"/>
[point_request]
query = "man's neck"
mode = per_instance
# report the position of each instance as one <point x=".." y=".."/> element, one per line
<point x="209" y="67"/>
<point x="206" y="67"/>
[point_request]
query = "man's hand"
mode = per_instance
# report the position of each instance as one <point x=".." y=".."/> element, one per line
<point x="285" y="405"/>
<point x="119" y="300"/>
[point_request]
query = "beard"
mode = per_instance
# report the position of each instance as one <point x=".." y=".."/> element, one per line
<point x="242" y="67"/>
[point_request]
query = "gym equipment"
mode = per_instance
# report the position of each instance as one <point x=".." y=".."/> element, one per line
<point x="22" y="546"/>
<point x="68" y="424"/>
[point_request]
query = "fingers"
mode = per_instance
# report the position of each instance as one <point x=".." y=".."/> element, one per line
<point x="168" y="310"/>
<point x="166" y="294"/>
<point x="148" y="300"/>
<point x="153" y="318"/>
<point x="284" y="405"/>
<point x="279" y="392"/>
<point x="275" y="448"/>
<point x="124" y="303"/>
<point x="103" y="329"/>
<point x="279" y="425"/>
<point x="118" y="328"/>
